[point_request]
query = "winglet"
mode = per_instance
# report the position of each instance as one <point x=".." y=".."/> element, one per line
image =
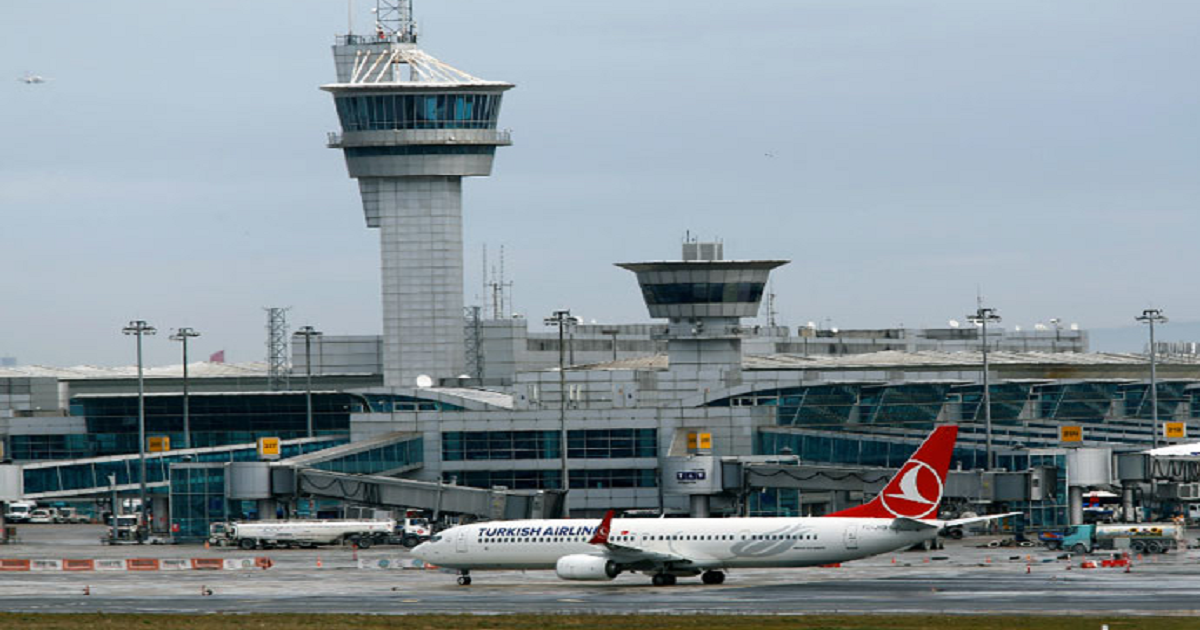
<point x="601" y="535"/>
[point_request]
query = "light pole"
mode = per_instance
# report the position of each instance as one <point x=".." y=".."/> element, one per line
<point x="982" y="317"/>
<point x="183" y="334"/>
<point x="1153" y="316"/>
<point x="562" y="318"/>
<point x="140" y="328"/>
<point x="308" y="332"/>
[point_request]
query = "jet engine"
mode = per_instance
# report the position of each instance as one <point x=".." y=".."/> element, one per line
<point x="582" y="566"/>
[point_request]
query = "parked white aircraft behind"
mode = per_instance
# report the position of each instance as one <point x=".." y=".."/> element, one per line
<point x="904" y="514"/>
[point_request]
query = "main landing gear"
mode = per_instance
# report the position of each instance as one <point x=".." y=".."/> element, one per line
<point x="464" y="578"/>
<point x="669" y="579"/>
<point x="713" y="577"/>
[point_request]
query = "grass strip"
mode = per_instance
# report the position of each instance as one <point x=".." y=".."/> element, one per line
<point x="100" y="621"/>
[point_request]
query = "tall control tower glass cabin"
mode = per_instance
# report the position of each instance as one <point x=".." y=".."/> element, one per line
<point x="412" y="128"/>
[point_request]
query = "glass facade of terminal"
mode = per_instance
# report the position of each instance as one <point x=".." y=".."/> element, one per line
<point x="552" y="479"/>
<point x="856" y="450"/>
<point x="103" y="473"/>
<point x="385" y="112"/>
<point x="377" y="460"/>
<point x="215" y="420"/>
<point x="582" y="444"/>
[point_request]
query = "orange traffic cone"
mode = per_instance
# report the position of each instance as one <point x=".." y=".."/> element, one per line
<point x="318" y="562"/>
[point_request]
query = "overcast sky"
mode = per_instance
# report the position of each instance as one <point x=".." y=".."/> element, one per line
<point x="902" y="155"/>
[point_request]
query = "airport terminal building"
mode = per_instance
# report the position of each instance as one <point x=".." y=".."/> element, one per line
<point x="698" y="412"/>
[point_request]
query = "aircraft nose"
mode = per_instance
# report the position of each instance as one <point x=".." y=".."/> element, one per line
<point x="422" y="551"/>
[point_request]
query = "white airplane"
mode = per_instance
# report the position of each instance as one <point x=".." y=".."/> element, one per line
<point x="33" y="79"/>
<point x="903" y="515"/>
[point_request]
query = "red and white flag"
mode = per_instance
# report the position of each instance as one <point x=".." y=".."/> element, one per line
<point x="217" y="357"/>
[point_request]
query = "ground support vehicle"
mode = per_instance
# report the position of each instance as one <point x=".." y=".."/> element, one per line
<point x="1136" y="537"/>
<point x="413" y="531"/>
<point x="19" y="511"/>
<point x="306" y="533"/>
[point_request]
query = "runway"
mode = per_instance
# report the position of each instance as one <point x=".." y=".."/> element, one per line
<point x="963" y="579"/>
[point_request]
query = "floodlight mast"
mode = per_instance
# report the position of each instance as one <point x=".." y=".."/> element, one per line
<point x="183" y="334"/>
<point x="1153" y="316"/>
<point x="139" y="328"/>
<point x="981" y="317"/>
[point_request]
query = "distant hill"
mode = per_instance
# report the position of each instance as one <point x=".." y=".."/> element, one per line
<point x="1134" y="338"/>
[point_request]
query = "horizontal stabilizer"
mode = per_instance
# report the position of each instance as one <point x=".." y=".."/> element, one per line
<point x="906" y="524"/>
<point x="978" y="519"/>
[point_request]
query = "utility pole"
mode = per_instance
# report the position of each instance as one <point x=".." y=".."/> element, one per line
<point x="183" y="334"/>
<point x="140" y="329"/>
<point x="1153" y="316"/>
<point x="981" y="317"/>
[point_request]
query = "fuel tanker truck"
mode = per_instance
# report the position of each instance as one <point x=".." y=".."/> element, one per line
<point x="1137" y="537"/>
<point x="302" y="533"/>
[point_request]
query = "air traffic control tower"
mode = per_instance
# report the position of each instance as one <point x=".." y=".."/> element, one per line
<point x="412" y="128"/>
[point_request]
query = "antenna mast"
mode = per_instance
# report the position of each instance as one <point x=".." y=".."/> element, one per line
<point x="394" y="21"/>
<point x="277" y="349"/>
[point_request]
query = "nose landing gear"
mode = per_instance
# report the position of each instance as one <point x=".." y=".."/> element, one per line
<point x="464" y="578"/>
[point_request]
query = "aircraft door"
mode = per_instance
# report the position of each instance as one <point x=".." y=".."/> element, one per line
<point x="460" y="545"/>
<point x="851" y="536"/>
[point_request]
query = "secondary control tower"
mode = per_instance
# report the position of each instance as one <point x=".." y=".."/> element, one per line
<point x="703" y="297"/>
<point x="412" y="128"/>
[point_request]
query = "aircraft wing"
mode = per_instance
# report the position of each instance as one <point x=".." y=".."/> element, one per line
<point x="978" y="519"/>
<point x="906" y="524"/>
<point x="626" y="554"/>
<point x="630" y="555"/>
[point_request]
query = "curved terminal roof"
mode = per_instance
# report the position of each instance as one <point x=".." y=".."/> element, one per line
<point x="922" y="359"/>
<point x="199" y="369"/>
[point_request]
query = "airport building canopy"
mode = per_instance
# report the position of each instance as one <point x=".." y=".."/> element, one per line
<point x="1176" y="450"/>
<point x="921" y="359"/>
<point x="199" y="369"/>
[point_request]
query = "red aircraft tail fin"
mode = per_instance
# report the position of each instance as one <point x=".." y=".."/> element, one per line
<point x="601" y="535"/>
<point x="917" y="488"/>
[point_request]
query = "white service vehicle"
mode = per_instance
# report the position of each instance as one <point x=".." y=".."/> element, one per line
<point x="44" y="516"/>
<point x="414" y="531"/>
<point x="19" y="511"/>
<point x="308" y="533"/>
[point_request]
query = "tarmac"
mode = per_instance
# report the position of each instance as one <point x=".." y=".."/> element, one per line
<point x="965" y="578"/>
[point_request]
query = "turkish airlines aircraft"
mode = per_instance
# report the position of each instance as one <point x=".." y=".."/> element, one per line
<point x="904" y="514"/>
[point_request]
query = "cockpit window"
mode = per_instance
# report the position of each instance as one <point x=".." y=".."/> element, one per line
<point x="435" y="538"/>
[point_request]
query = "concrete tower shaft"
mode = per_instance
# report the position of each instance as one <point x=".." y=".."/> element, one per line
<point x="412" y="128"/>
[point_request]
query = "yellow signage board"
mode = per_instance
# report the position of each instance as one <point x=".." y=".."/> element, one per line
<point x="158" y="444"/>
<point x="699" y="441"/>
<point x="1175" y="430"/>
<point x="705" y="441"/>
<point x="1070" y="434"/>
<point x="268" y="447"/>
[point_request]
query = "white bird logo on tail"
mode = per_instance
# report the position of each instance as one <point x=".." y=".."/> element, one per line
<point x="908" y="488"/>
